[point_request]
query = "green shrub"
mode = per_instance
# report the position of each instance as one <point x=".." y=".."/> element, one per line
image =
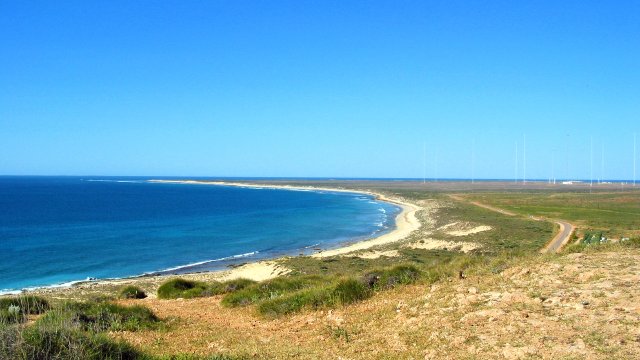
<point x="181" y="288"/>
<point x="30" y="304"/>
<point x="58" y="342"/>
<point x="99" y="317"/>
<point x="16" y="308"/>
<point x="349" y="291"/>
<point x="271" y="289"/>
<point x="73" y="330"/>
<point x="343" y="292"/>
<point x="132" y="292"/>
<point x="229" y="286"/>
<point x="11" y="315"/>
<point x="389" y="278"/>
<point x="294" y="302"/>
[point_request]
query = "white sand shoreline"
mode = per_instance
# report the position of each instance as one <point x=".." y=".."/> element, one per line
<point x="405" y="223"/>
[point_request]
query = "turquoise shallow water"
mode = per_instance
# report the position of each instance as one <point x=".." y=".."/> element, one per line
<point x="55" y="230"/>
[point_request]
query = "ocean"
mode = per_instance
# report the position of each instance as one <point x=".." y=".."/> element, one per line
<point x="58" y="230"/>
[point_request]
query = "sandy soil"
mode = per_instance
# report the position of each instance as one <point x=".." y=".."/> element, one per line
<point x="434" y="244"/>
<point x="373" y="254"/>
<point x="582" y="306"/>
<point x="471" y="231"/>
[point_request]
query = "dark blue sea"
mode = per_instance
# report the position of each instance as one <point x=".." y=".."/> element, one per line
<point x="56" y="230"/>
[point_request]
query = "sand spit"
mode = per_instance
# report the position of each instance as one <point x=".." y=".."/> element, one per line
<point x="434" y="244"/>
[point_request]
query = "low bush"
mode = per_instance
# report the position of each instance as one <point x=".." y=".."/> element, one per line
<point x="271" y="289"/>
<point x="342" y="292"/>
<point x="99" y="317"/>
<point x="187" y="289"/>
<point x="389" y="278"/>
<point x="349" y="291"/>
<point x="54" y="343"/>
<point x="181" y="288"/>
<point x="30" y="304"/>
<point x="73" y="330"/>
<point x="229" y="286"/>
<point x="15" y="309"/>
<point x="40" y="341"/>
<point x="132" y="292"/>
<point x="290" y="303"/>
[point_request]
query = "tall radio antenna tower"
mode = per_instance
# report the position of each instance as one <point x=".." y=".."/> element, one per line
<point x="553" y="167"/>
<point x="524" y="160"/>
<point x="515" y="177"/>
<point x="473" y="160"/>
<point x="424" y="163"/>
<point x="591" y="165"/>
<point x="601" y="164"/>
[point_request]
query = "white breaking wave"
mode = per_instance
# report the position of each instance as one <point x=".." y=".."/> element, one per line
<point x="116" y="181"/>
<point x="210" y="261"/>
<point x="31" y="288"/>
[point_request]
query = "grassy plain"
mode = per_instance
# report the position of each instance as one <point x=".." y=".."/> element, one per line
<point x="617" y="213"/>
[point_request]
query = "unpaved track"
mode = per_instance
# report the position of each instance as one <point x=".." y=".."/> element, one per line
<point x="555" y="245"/>
<point x="563" y="237"/>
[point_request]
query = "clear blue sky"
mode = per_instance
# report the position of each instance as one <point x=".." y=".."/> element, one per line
<point x="318" y="88"/>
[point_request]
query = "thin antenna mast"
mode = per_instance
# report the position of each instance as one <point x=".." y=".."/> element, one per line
<point x="424" y="164"/>
<point x="568" y="176"/>
<point x="515" y="178"/>
<point x="524" y="160"/>
<point x="435" y="165"/>
<point x="634" y="159"/>
<point x="553" y="167"/>
<point x="602" y="164"/>
<point x="473" y="160"/>
<point x="591" y="165"/>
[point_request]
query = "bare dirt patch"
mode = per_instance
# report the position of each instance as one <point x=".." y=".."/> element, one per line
<point x="434" y="244"/>
<point x="375" y="254"/>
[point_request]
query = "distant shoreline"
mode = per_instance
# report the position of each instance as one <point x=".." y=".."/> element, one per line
<point x="405" y="223"/>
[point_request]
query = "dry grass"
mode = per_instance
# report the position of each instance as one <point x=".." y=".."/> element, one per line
<point x="578" y="305"/>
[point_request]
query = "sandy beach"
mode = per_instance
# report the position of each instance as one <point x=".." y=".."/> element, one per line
<point x="405" y="223"/>
<point x="406" y="220"/>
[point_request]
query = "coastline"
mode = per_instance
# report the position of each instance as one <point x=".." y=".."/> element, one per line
<point x="405" y="223"/>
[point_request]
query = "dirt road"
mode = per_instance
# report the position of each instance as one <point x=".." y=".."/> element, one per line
<point x="555" y="245"/>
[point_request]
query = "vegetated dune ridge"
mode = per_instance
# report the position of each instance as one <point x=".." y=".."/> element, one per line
<point x="572" y="306"/>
